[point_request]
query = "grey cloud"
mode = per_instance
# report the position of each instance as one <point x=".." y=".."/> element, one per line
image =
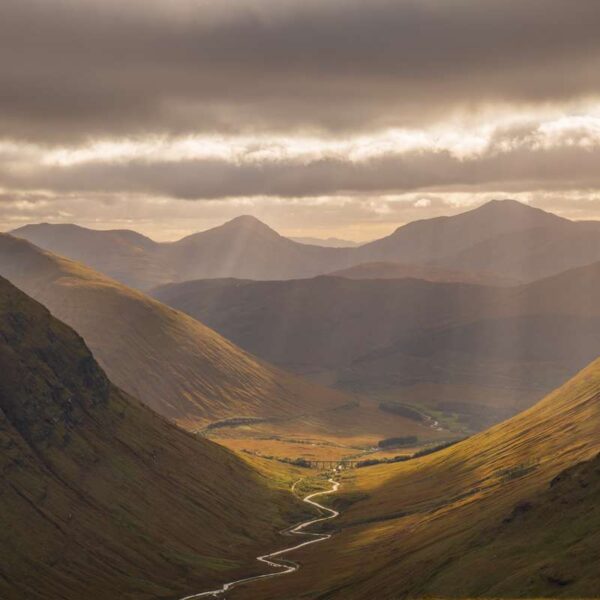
<point x="521" y="169"/>
<point x="73" y="69"/>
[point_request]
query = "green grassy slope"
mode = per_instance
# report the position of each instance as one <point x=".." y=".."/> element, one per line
<point x="100" y="497"/>
<point x="180" y="368"/>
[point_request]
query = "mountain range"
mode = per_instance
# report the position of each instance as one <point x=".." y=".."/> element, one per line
<point x="502" y="239"/>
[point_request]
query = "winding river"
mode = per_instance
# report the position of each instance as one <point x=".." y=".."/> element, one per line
<point x="274" y="558"/>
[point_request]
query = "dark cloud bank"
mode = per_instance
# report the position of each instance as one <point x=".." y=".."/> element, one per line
<point x="71" y="69"/>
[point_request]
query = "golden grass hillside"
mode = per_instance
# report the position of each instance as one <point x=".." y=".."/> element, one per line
<point x="180" y="368"/>
<point x="485" y="518"/>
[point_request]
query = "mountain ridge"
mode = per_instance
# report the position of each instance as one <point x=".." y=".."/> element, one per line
<point x="246" y="248"/>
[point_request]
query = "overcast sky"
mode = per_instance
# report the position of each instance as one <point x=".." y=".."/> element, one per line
<point x="321" y="117"/>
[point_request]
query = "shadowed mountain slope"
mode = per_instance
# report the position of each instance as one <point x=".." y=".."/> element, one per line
<point x="325" y="322"/>
<point x="180" y="368"/>
<point x="447" y="346"/>
<point x="501" y="239"/>
<point x="100" y="497"/>
<point x="511" y="512"/>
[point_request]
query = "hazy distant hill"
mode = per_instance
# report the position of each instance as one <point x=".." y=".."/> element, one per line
<point x="246" y="247"/>
<point x="533" y="253"/>
<point x="511" y="512"/>
<point x="479" y="352"/>
<point x="100" y="497"/>
<point x="429" y="240"/>
<point x="124" y="255"/>
<point x="330" y="242"/>
<point x="503" y="240"/>
<point x="182" y="369"/>
<point x="397" y="270"/>
<point x="243" y="247"/>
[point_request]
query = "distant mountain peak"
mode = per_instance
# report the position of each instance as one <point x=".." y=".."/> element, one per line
<point x="245" y="221"/>
<point x="505" y="203"/>
<point x="246" y="224"/>
<point x="44" y="225"/>
<point x="509" y="206"/>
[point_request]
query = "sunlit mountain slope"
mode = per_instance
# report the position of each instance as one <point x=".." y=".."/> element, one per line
<point x="511" y="512"/>
<point x="180" y="368"/>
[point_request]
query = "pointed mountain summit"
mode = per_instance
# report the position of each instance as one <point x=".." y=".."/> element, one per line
<point x="246" y="225"/>
<point x="247" y="248"/>
<point x="248" y="222"/>
<point x="508" y="208"/>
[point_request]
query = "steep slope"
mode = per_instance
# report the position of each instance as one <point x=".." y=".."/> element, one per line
<point x="398" y="270"/>
<point x="511" y="512"/>
<point x="474" y="353"/>
<point x="100" y="497"/>
<point x="179" y="367"/>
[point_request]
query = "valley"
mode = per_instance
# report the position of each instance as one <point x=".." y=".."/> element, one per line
<point x="434" y="398"/>
<point x="273" y="559"/>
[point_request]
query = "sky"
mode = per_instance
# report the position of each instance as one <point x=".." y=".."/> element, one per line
<point x="323" y="118"/>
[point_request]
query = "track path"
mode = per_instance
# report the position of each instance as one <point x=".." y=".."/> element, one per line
<point x="274" y="558"/>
